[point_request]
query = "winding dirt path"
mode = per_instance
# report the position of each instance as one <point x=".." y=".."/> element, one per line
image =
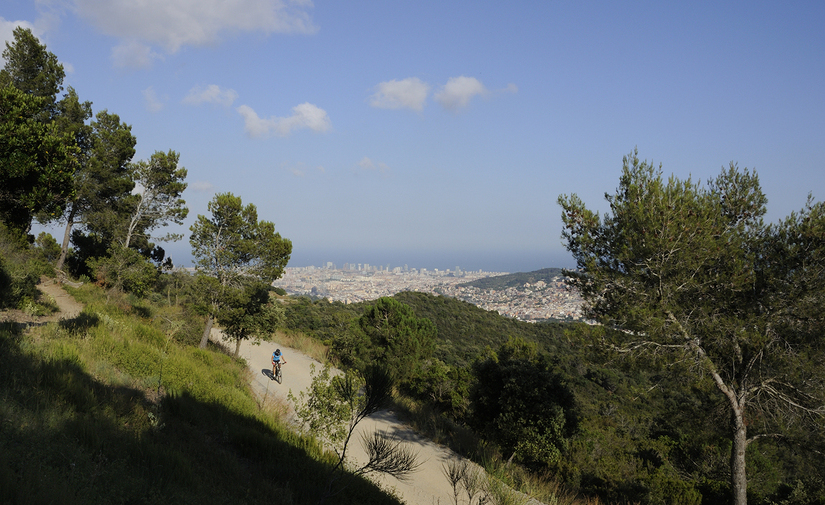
<point x="426" y="486"/>
<point x="69" y="307"/>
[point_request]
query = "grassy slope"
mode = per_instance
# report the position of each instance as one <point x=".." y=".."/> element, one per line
<point x="82" y="421"/>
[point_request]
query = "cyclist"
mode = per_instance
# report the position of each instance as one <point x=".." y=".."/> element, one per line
<point x="277" y="360"/>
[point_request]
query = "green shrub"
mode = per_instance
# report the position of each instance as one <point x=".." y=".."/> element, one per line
<point x="48" y="247"/>
<point x="125" y="269"/>
<point x="21" y="267"/>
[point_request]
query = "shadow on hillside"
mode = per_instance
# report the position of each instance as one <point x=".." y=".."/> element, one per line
<point x="68" y="438"/>
<point x="17" y="321"/>
<point x="81" y="323"/>
<point x="399" y="431"/>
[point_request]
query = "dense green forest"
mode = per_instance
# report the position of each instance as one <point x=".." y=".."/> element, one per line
<point x="706" y="367"/>
<point x="623" y="428"/>
<point x="516" y="280"/>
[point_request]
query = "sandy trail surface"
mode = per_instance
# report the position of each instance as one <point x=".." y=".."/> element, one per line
<point x="426" y="486"/>
<point x="69" y="307"/>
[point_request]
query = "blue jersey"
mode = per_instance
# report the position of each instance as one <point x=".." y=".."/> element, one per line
<point x="276" y="358"/>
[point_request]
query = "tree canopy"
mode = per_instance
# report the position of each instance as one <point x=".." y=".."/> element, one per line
<point x="36" y="162"/>
<point x="157" y="202"/>
<point x="34" y="70"/>
<point x="233" y="245"/>
<point x="102" y="183"/>
<point x="690" y="272"/>
<point x="248" y="312"/>
<point x="521" y="403"/>
<point x="397" y="337"/>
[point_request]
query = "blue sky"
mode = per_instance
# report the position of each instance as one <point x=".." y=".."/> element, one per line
<point x="440" y="134"/>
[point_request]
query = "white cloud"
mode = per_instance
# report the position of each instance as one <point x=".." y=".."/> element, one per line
<point x="305" y="115"/>
<point x="409" y="93"/>
<point x="153" y="103"/>
<point x="7" y="32"/>
<point x="210" y="94"/>
<point x="458" y="92"/>
<point x="7" y="29"/>
<point x="201" y="187"/>
<point x="134" y="55"/>
<point x="172" y="24"/>
<point x="367" y="165"/>
<point x="301" y="169"/>
<point x="511" y="88"/>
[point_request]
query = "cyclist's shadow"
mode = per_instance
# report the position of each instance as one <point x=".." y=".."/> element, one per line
<point x="268" y="373"/>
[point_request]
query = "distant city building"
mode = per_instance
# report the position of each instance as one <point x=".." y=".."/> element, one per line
<point x="359" y="282"/>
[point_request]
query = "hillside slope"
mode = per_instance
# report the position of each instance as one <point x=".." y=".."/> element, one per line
<point x="425" y="486"/>
<point x="516" y="280"/>
<point x="107" y="407"/>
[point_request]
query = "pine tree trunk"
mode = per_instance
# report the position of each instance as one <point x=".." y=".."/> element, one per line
<point x="207" y="331"/>
<point x="237" y="347"/>
<point x="64" y="248"/>
<point x="738" y="477"/>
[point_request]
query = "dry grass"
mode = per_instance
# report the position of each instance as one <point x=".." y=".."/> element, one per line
<point x="277" y="407"/>
<point x="270" y="404"/>
<point x="299" y="341"/>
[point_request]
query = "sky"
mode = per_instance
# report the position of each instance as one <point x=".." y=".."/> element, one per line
<point x="440" y="134"/>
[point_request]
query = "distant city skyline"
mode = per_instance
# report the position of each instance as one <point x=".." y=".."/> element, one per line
<point x="515" y="261"/>
<point x="511" y="262"/>
<point x="548" y="297"/>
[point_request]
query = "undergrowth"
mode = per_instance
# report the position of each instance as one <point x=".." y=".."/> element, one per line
<point x="301" y="342"/>
<point x="111" y="407"/>
<point x="439" y="428"/>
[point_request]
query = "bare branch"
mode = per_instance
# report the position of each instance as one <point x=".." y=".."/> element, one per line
<point x="764" y="435"/>
<point x="388" y="455"/>
<point x="455" y="470"/>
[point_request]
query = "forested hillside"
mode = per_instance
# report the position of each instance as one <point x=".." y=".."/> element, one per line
<point x="516" y="280"/>
<point x="550" y="397"/>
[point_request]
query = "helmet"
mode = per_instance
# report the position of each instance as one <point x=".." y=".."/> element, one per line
<point x="277" y="352"/>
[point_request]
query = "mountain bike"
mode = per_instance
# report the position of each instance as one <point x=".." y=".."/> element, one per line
<point x="277" y="375"/>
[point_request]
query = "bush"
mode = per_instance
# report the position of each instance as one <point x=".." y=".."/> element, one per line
<point x="48" y="247"/>
<point x="523" y="405"/>
<point x="125" y="269"/>
<point x="20" y="271"/>
<point x="444" y="386"/>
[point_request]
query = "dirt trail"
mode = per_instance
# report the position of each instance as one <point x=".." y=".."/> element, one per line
<point x="69" y="307"/>
<point x="426" y="486"/>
